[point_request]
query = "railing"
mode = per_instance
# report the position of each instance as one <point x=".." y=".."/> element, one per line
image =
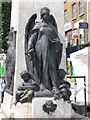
<point x="84" y="90"/>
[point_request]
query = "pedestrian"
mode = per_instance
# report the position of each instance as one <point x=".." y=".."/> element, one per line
<point x="3" y="89"/>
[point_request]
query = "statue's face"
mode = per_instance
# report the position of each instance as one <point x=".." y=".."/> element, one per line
<point x="45" y="15"/>
<point x="25" y="77"/>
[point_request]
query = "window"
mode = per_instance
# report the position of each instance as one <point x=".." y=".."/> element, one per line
<point x="66" y="42"/>
<point x="81" y="7"/>
<point x="69" y="39"/>
<point x="70" y="42"/>
<point x="74" y="11"/>
<point x="81" y="33"/>
<point x="74" y="42"/>
<point x="65" y="16"/>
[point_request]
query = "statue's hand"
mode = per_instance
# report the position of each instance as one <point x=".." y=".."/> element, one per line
<point x="42" y="87"/>
<point x="65" y="92"/>
<point x="26" y="52"/>
<point x="30" y="53"/>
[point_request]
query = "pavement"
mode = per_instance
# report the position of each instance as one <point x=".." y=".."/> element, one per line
<point x="1" y="113"/>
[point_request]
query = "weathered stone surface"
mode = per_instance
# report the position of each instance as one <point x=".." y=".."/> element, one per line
<point x="63" y="109"/>
<point x="7" y="104"/>
<point x="10" y="62"/>
<point x="23" y="110"/>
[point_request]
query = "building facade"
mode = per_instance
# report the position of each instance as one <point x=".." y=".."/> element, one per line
<point x="75" y="14"/>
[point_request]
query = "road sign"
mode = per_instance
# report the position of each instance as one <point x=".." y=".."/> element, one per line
<point x="75" y="36"/>
<point x="83" y="25"/>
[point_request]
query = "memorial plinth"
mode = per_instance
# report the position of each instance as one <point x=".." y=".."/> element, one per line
<point x="40" y="53"/>
<point x="35" y="110"/>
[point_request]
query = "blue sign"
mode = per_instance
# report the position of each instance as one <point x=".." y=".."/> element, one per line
<point x="83" y="25"/>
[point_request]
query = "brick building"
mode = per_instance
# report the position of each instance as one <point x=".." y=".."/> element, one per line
<point x="75" y="13"/>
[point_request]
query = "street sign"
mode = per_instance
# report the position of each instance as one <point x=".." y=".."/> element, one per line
<point x="75" y="36"/>
<point x="83" y="25"/>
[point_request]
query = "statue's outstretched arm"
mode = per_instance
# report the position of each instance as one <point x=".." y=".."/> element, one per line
<point x="32" y="42"/>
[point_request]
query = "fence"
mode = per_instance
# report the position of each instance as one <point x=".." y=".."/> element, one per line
<point x="84" y="89"/>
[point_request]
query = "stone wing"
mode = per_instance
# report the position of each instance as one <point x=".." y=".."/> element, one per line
<point x="29" y="26"/>
<point x="53" y="22"/>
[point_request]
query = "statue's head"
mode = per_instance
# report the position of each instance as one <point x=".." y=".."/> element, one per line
<point x="25" y="76"/>
<point x="45" y="12"/>
<point x="61" y="73"/>
<point x="12" y="28"/>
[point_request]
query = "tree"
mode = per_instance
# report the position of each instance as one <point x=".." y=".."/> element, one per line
<point x="6" y="17"/>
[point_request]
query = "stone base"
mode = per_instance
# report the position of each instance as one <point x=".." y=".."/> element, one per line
<point x="35" y="110"/>
<point x="7" y="104"/>
<point x="23" y="110"/>
<point x="63" y="110"/>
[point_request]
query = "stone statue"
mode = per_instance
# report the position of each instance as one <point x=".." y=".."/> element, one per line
<point x="26" y="90"/>
<point x="44" y="49"/>
<point x="43" y="52"/>
<point x="10" y="61"/>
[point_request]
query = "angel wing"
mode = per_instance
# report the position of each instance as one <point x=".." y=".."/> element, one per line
<point x="29" y="26"/>
<point x="53" y="22"/>
<point x="58" y="45"/>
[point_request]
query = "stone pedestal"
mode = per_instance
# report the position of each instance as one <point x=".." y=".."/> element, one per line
<point x="63" y="110"/>
<point x="7" y="105"/>
<point x="35" y="109"/>
<point x="23" y="110"/>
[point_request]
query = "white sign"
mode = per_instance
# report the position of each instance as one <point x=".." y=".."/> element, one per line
<point x="75" y="34"/>
<point x="76" y="25"/>
<point x="81" y="31"/>
<point x="68" y="26"/>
